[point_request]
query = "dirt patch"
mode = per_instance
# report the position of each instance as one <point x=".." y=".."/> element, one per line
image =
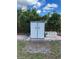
<point x="40" y="50"/>
<point x="38" y="47"/>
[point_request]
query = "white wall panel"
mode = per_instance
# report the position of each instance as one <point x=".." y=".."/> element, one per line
<point x="37" y="29"/>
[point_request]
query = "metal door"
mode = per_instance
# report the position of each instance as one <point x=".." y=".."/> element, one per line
<point x="40" y="30"/>
<point x="33" y="30"/>
<point x="37" y="29"/>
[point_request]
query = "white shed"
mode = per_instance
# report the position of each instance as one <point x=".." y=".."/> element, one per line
<point x="37" y="29"/>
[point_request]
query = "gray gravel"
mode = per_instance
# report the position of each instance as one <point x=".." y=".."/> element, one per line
<point x="51" y="35"/>
<point x="25" y="37"/>
<point x="22" y="37"/>
<point x="40" y="47"/>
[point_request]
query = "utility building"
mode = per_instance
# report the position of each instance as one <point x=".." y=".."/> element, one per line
<point x="37" y="29"/>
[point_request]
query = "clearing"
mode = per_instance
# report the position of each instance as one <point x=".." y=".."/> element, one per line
<point x="38" y="50"/>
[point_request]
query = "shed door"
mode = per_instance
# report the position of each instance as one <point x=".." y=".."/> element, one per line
<point x="34" y="30"/>
<point x="37" y="30"/>
<point x="40" y="30"/>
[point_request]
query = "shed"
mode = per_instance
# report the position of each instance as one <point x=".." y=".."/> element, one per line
<point x="37" y="29"/>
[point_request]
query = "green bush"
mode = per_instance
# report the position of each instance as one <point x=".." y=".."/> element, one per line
<point x="24" y="18"/>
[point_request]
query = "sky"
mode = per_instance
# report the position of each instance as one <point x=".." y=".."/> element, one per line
<point x="42" y="6"/>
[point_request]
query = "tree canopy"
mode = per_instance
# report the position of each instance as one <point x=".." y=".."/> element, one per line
<point x="24" y="17"/>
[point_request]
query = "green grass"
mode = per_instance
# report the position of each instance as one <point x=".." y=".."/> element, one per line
<point x="54" y="45"/>
<point x="56" y="49"/>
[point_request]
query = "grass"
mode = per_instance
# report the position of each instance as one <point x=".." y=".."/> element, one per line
<point x="54" y="45"/>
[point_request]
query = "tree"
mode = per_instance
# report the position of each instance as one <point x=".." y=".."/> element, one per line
<point x="24" y="18"/>
<point x="55" y="22"/>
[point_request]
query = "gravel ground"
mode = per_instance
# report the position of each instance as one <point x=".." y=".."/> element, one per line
<point x="38" y="47"/>
<point x="38" y="50"/>
<point x="24" y="37"/>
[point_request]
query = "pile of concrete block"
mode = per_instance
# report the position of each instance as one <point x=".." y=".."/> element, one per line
<point x="51" y="36"/>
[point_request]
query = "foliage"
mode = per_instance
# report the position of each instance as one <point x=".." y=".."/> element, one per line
<point x="54" y="22"/>
<point x="24" y="18"/>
